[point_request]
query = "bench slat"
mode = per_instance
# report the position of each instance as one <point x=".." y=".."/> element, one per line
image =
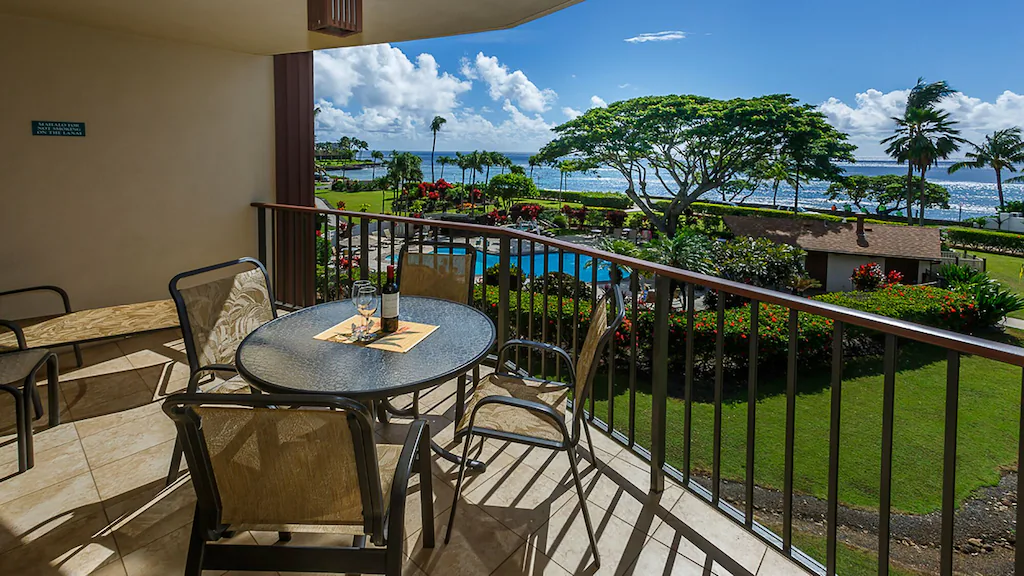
<point x="96" y="324"/>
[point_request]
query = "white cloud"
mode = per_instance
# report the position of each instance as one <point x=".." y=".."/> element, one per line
<point x="870" y="118"/>
<point x="626" y="85"/>
<point x="571" y="113"/>
<point x="597" y="102"/>
<point x="503" y="84"/>
<point x="664" y="36"/>
<point x="378" y="94"/>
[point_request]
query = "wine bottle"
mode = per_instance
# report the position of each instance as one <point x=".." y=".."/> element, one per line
<point x="389" y="304"/>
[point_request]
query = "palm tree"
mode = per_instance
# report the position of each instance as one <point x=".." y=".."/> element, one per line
<point x="904" y="145"/>
<point x="778" y="173"/>
<point x="534" y="161"/>
<point x="923" y="137"/>
<point x="1000" y="151"/>
<point x="445" y="161"/>
<point x="377" y="157"/>
<point x="435" y="127"/>
<point x="464" y="162"/>
<point x="486" y="161"/>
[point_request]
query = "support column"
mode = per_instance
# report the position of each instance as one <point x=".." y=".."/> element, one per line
<point x="295" y="266"/>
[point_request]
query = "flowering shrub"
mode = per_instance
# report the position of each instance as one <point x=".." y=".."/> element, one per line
<point x="341" y="204"/>
<point x="530" y="211"/>
<point x="867" y="276"/>
<point x="575" y="215"/>
<point x="495" y="218"/>
<point x="615" y="218"/>
<point x="894" y="277"/>
<point x="922" y="304"/>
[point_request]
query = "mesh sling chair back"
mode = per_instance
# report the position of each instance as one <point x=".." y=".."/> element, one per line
<point x="525" y="410"/>
<point x="18" y="378"/>
<point x="447" y="272"/>
<point x="215" y="316"/>
<point x="297" y="463"/>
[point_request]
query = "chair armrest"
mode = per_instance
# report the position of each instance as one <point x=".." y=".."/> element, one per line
<point x="417" y="441"/>
<point x="535" y="407"/>
<point x="57" y="289"/>
<point x="503" y="352"/>
<point x="18" y="334"/>
<point x="218" y="368"/>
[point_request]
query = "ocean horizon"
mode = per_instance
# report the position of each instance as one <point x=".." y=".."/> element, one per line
<point x="972" y="192"/>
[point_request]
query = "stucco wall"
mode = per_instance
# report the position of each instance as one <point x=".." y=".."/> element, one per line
<point x="179" y="140"/>
<point x="841" y="266"/>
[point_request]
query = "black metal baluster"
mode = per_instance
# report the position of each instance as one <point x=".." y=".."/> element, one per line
<point x="593" y="304"/>
<point x="634" y="287"/>
<point x="326" y="259"/>
<point x="351" y="255"/>
<point x="716" y="454"/>
<point x="949" y="462"/>
<point x="533" y="309"/>
<point x="787" y="490"/>
<point x="688" y="385"/>
<point x="885" y="490"/>
<point x="754" y="337"/>
<point x="504" y="260"/>
<point x="295" y="240"/>
<point x="364" y="248"/>
<point x="544" y="318"/>
<point x="261" y="234"/>
<point x="305" y="230"/>
<point x="659" y="384"/>
<point x="612" y="276"/>
<point x="1018" y="553"/>
<point x="558" y="325"/>
<point x="576" y="312"/>
<point x="484" y="244"/>
<point x="833" y="448"/>
<point x="335" y="256"/>
<point x="380" y="248"/>
<point x="519" y="295"/>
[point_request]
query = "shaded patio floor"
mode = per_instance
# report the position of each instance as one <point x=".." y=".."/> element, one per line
<point x="95" y="502"/>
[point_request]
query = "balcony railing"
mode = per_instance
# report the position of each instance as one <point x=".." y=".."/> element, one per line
<point x="354" y="245"/>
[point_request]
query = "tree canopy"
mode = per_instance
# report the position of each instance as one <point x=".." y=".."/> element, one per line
<point x="888" y="191"/>
<point x="510" y="187"/>
<point x="694" y="144"/>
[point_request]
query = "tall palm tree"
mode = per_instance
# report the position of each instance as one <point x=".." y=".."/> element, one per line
<point x="1000" y="151"/>
<point x="534" y="161"/>
<point x="464" y="162"/>
<point x="922" y="138"/>
<point x="486" y="161"/>
<point x="445" y="161"/>
<point x="377" y="157"/>
<point x="904" y="145"/>
<point x="435" y="127"/>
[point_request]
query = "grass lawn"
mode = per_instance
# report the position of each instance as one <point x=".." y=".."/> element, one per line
<point x="987" y="432"/>
<point x="354" y="200"/>
<point x="1005" y="269"/>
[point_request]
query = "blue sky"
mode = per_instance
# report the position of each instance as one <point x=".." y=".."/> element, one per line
<point x="504" y="90"/>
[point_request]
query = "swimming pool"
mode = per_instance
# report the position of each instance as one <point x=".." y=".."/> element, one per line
<point x="534" y="263"/>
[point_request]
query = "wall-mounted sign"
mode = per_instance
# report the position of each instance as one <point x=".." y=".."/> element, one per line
<point x="51" y="128"/>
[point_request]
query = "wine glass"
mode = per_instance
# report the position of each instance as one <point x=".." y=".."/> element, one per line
<point x="366" y="301"/>
<point x="356" y="286"/>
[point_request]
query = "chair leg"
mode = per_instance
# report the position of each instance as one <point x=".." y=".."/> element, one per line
<point x="21" y="422"/>
<point x="583" y="506"/>
<point x="196" y="549"/>
<point x="458" y="485"/>
<point x="53" y="390"/>
<point x="416" y="404"/>
<point x="426" y="493"/>
<point x="78" y="355"/>
<point x="590" y="441"/>
<point x="284" y="536"/>
<point x="460" y="399"/>
<point x="172" y="472"/>
<point x="27" y="398"/>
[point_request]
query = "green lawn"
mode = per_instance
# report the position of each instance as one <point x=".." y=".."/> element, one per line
<point x="988" y="428"/>
<point x="850" y="561"/>
<point x="354" y="200"/>
<point x="1005" y="269"/>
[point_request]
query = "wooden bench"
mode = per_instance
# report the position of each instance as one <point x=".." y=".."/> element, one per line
<point x="75" y="328"/>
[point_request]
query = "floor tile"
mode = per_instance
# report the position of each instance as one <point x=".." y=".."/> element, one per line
<point x="8" y="416"/>
<point x="36" y="514"/>
<point x="69" y="547"/>
<point x="693" y="520"/>
<point x="520" y="497"/>
<point x="143" y="468"/>
<point x="656" y="558"/>
<point x="528" y="561"/>
<point x="90" y="426"/>
<point x="775" y="564"/>
<point x="99" y="395"/>
<point x="564" y="539"/>
<point x="51" y="466"/>
<point x="625" y="490"/>
<point x="479" y="545"/>
<point x="100" y="359"/>
<point x="126" y="439"/>
<point x="148" y="513"/>
<point x="166" y="556"/>
<point x="43" y="438"/>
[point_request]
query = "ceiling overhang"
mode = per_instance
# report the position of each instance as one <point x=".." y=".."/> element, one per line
<point x="281" y="26"/>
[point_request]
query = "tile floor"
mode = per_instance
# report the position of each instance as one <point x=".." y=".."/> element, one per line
<point x="95" y="503"/>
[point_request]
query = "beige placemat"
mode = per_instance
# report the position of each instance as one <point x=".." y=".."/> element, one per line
<point x="408" y="335"/>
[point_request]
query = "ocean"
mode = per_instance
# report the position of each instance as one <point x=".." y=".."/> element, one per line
<point x="972" y="192"/>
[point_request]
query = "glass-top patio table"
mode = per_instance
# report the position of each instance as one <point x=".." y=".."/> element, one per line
<point x="283" y="357"/>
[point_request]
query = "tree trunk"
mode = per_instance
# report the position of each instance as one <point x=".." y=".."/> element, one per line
<point x="921" y="213"/>
<point x="910" y="193"/>
<point x="796" y="189"/>
<point x="432" y="146"/>
<point x="775" y="194"/>
<point x="442" y="171"/>
<point x="999" y="187"/>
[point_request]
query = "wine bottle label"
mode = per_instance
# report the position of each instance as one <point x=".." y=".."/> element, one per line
<point x="389" y="306"/>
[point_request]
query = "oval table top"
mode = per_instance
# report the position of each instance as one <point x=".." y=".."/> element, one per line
<point x="282" y="356"/>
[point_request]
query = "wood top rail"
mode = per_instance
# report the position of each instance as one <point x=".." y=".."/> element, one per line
<point x="944" y="338"/>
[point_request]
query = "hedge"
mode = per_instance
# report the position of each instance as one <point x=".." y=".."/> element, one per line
<point x="592" y="199"/>
<point x="723" y="210"/>
<point x="989" y="240"/>
<point x="922" y="304"/>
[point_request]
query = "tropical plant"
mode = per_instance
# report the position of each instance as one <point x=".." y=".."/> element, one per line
<point x="378" y="157"/>
<point x="403" y="168"/>
<point x="435" y="127"/>
<point x="801" y="284"/>
<point x="507" y="188"/>
<point x="755" y="261"/>
<point x="1001" y="151"/>
<point x="994" y="301"/>
<point x="888" y="191"/>
<point x="867" y="277"/>
<point x="555" y="283"/>
<point x="445" y="161"/>
<point x="695" y="144"/>
<point x="923" y="135"/>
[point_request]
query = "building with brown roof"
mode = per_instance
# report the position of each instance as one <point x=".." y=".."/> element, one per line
<point x="835" y="249"/>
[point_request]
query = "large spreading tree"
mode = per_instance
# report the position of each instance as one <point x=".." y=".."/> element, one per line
<point x="888" y="191"/>
<point x="693" y="145"/>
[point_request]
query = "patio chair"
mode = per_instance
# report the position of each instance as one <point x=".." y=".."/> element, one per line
<point x="18" y="378"/>
<point x="215" y="317"/>
<point x="298" y="463"/>
<point x="529" y="411"/>
<point x="444" y="273"/>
